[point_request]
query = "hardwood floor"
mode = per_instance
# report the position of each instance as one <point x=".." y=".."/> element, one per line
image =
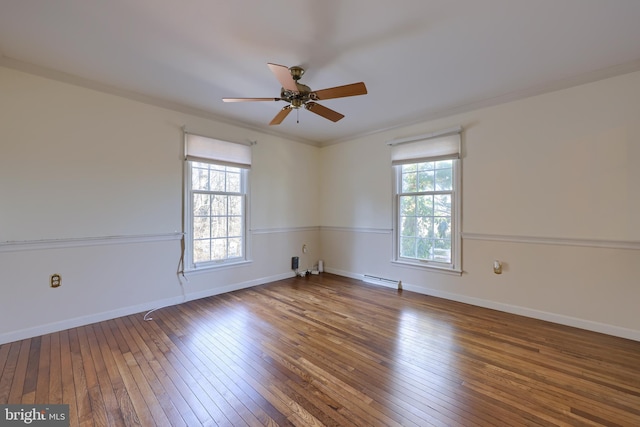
<point x="326" y="350"/>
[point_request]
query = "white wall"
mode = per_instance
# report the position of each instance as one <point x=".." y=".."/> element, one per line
<point x="551" y="186"/>
<point x="91" y="188"/>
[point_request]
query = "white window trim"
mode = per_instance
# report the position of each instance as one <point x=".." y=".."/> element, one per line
<point x="189" y="265"/>
<point x="455" y="267"/>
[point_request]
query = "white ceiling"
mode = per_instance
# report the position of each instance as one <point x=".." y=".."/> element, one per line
<point x="420" y="59"/>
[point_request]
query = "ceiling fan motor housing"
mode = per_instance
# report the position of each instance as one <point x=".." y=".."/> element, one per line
<point x="296" y="98"/>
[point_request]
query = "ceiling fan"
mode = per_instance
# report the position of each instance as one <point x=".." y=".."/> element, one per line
<point x="298" y="95"/>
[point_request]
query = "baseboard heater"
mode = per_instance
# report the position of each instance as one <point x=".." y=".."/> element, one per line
<point x="382" y="281"/>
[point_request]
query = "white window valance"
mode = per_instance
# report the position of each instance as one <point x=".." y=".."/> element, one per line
<point x="441" y="145"/>
<point x="203" y="149"/>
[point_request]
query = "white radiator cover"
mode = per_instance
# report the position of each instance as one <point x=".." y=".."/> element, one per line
<point x="382" y="281"/>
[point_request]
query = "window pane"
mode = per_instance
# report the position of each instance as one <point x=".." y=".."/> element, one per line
<point x="235" y="247"/>
<point x="444" y="164"/>
<point x="233" y="182"/>
<point x="442" y="205"/>
<point x="219" y="226"/>
<point x="201" y="227"/>
<point x="407" y="205"/>
<point x="426" y="181"/>
<point x="425" y="166"/>
<point x="201" y="250"/>
<point x="200" y="178"/>
<point x="218" y="249"/>
<point x="201" y="205"/>
<point x="235" y="226"/>
<point x="412" y="167"/>
<point x="442" y="250"/>
<point x="424" y="227"/>
<point x="443" y="227"/>
<point x="235" y="205"/>
<point x="408" y="226"/>
<point x="408" y="247"/>
<point x="424" y="248"/>
<point x="217" y="180"/>
<point x="424" y="205"/>
<point x="219" y="205"/>
<point x="444" y="179"/>
<point x="409" y="183"/>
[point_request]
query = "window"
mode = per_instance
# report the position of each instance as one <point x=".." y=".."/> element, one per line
<point x="217" y="208"/>
<point x="215" y="202"/>
<point x="426" y="191"/>
<point x="427" y="202"/>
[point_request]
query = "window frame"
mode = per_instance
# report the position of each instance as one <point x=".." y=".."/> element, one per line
<point x="189" y="218"/>
<point x="455" y="266"/>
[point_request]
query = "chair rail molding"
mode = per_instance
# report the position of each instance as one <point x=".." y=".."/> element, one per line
<point x="561" y="241"/>
<point x="74" y="242"/>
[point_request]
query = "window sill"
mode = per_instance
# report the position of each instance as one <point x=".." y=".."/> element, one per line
<point x="215" y="267"/>
<point x="428" y="267"/>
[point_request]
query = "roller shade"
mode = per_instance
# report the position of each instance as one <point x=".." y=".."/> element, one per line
<point x="434" y="146"/>
<point x="203" y="149"/>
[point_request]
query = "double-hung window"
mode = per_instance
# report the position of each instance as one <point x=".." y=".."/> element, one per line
<point x="216" y="183"/>
<point x="427" y="200"/>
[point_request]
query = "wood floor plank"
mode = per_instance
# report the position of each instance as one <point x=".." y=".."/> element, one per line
<point x="68" y="384"/>
<point x="326" y="350"/>
<point x="55" y="371"/>
<point x="7" y="374"/>
<point x="20" y="373"/>
<point x="4" y="357"/>
<point x="82" y="399"/>
<point x="31" y="375"/>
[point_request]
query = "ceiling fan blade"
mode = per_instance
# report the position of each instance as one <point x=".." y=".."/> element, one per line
<point x="323" y="111"/>
<point x="283" y="75"/>
<point x="249" y="99"/>
<point x="281" y="115"/>
<point x="341" y="91"/>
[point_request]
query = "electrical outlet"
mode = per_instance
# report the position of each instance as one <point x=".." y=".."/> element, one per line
<point x="497" y="267"/>
<point x="55" y="280"/>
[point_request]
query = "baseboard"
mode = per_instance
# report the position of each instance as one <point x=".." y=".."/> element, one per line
<point x="560" y="319"/>
<point x="237" y="286"/>
<point x="84" y="320"/>
<point x="344" y="273"/>
<point x="133" y="309"/>
<point x="532" y="313"/>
